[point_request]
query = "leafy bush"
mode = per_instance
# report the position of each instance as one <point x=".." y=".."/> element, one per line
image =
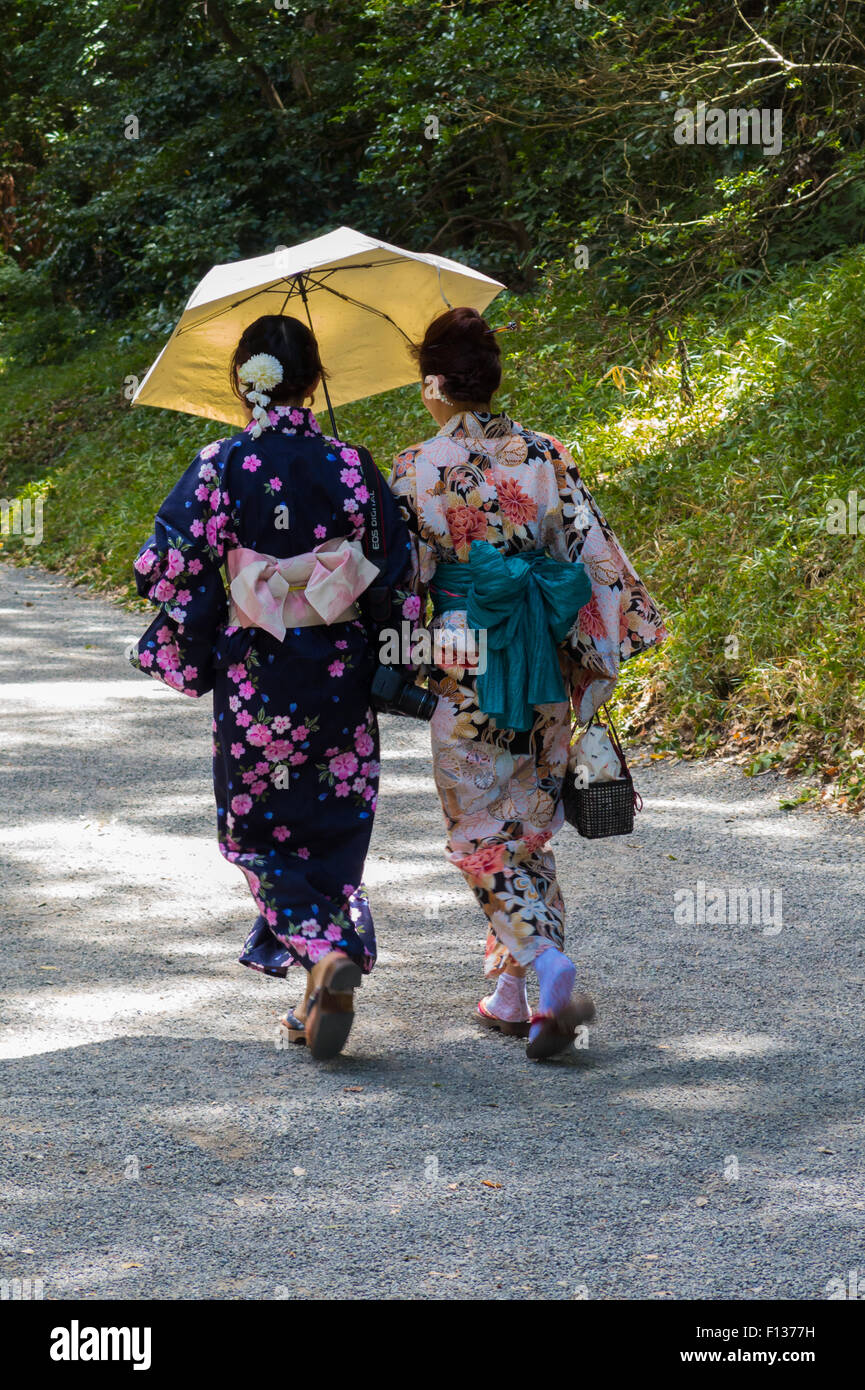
<point x="144" y="142"/>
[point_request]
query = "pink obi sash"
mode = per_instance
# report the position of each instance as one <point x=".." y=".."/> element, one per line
<point x="303" y="591"/>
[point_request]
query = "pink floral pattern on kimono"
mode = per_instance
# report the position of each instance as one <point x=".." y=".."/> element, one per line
<point x="295" y="740"/>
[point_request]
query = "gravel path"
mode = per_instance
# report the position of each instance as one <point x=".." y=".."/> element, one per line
<point x="157" y="1144"/>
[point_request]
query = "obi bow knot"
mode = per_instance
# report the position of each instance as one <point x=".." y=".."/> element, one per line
<point x="527" y="604"/>
<point x="319" y="586"/>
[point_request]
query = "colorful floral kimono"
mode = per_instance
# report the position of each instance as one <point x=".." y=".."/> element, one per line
<point x="280" y="643"/>
<point x="485" y="478"/>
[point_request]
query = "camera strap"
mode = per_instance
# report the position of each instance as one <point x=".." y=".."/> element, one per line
<point x="374" y="542"/>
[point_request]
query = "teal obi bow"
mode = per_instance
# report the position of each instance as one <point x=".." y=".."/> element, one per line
<point x="527" y="604"/>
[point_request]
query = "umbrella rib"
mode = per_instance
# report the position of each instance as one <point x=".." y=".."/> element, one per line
<point x="261" y="289"/>
<point x="217" y="313"/>
<point x="318" y="284"/>
<point x="360" y="305"/>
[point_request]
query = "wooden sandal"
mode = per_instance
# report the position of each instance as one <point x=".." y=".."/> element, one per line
<point x="330" y="1011"/>
<point x="510" y="1029"/>
<point x="559" y="1030"/>
<point x="295" y="1027"/>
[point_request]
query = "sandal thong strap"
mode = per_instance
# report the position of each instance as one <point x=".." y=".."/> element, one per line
<point x="554" y="1023"/>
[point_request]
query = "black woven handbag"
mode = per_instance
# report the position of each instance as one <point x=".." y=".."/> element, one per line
<point x="602" y="808"/>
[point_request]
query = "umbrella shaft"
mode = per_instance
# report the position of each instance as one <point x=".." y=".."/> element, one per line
<point x="302" y="288"/>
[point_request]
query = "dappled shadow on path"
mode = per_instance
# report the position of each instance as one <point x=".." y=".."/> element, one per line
<point x="158" y="1143"/>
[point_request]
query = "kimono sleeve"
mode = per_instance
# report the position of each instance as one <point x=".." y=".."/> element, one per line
<point x="620" y="620"/>
<point x="397" y="543"/>
<point x="422" y="560"/>
<point x="178" y="569"/>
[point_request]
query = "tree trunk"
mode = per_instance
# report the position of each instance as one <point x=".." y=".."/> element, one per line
<point x="219" y="23"/>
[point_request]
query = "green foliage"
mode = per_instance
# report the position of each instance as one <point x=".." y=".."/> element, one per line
<point x="495" y="129"/>
<point x="700" y="367"/>
<point x="719" y="494"/>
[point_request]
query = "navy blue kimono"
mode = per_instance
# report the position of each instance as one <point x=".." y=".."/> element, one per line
<point x="296" y="752"/>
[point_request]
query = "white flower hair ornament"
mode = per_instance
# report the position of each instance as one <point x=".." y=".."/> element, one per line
<point x="261" y="373"/>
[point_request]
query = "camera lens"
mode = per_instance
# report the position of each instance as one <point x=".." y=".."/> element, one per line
<point x="394" y="691"/>
<point x="420" y="704"/>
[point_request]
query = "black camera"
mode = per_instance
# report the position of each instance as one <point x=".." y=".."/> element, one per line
<point x="394" y="692"/>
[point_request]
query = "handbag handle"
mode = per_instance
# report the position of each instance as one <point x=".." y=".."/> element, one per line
<point x="614" y="740"/>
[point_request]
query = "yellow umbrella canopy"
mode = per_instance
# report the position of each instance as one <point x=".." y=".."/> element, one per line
<point x="364" y="299"/>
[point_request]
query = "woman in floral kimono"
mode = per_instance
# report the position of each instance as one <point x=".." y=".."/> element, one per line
<point x="510" y="544"/>
<point x="282" y="644"/>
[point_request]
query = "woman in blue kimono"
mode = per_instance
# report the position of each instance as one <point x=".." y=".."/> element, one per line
<point x="285" y="648"/>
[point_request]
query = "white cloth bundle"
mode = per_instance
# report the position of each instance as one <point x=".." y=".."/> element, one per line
<point x="595" y="753"/>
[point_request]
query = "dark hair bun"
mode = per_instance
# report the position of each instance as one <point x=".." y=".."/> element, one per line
<point x="292" y="344"/>
<point x="460" y="346"/>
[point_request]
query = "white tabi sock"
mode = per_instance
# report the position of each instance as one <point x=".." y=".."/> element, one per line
<point x="509" y="1000"/>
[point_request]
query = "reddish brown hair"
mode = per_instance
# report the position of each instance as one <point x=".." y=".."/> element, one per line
<point x="460" y="346"/>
